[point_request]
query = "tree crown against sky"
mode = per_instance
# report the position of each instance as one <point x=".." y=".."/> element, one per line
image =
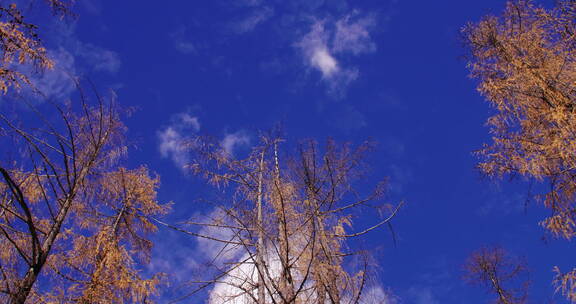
<point x="21" y="45"/>
<point x="504" y="275"/>
<point x="286" y="218"/>
<point x="74" y="222"/>
<point x="525" y="61"/>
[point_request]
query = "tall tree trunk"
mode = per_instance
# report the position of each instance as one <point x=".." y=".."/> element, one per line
<point x="260" y="245"/>
<point x="286" y="282"/>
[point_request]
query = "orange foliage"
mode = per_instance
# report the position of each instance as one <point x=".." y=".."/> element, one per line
<point x="69" y="211"/>
<point x="20" y="44"/>
<point x="290" y="216"/>
<point x="525" y="61"/>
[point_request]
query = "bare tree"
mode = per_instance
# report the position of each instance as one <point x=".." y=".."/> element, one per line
<point x="504" y="275"/>
<point x="69" y="211"/>
<point x="283" y="232"/>
<point x="525" y="61"/>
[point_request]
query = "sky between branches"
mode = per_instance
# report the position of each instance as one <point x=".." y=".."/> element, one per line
<point x="387" y="70"/>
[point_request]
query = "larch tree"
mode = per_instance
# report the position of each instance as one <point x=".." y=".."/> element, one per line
<point x="74" y="223"/>
<point x="503" y="275"/>
<point x="20" y="44"/>
<point x="283" y="225"/>
<point x="525" y="62"/>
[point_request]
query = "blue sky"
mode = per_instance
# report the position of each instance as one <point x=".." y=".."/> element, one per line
<point x="389" y="70"/>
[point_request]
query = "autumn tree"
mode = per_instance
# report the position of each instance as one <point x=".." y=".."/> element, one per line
<point x="525" y="62"/>
<point x="502" y="274"/>
<point x="73" y="221"/>
<point x="284" y="226"/>
<point x="20" y="44"/>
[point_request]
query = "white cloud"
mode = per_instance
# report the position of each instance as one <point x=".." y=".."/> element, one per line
<point x="231" y="289"/>
<point x="328" y="39"/>
<point x="323" y="61"/>
<point x="171" y="145"/>
<point x="239" y="286"/>
<point x="314" y="46"/>
<point x="233" y="141"/>
<point x="243" y="277"/>
<point x="173" y="138"/>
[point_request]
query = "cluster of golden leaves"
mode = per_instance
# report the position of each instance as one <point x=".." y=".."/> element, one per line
<point x="525" y="61"/>
<point x="71" y="217"/>
<point x="102" y="262"/>
<point x="20" y="44"/>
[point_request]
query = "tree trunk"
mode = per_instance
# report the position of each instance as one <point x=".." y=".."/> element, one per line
<point x="25" y="286"/>
<point x="260" y="246"/>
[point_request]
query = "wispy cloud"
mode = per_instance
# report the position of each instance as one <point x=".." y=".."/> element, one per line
<point x="496" y="202"/>
<point x="72" y="58"/>
<point x="215" y="250"/>
<point x="353" y="36"/>
<point x="255" y="18"/>
<point x="378" y="295"/>
<point x="172" y="139"/>
<point x="90" y="57"/>
<point x="177" y="262"/>
<point x="58" y="82"/>
<point x="435" y="283"/>
<point x="344" y="117"/>
<point x="98" y="58"/>
<point x="181" y="42"/>
<point x="328" y="39"/>
<point x="233" y="141"/>
<point x="92" y="6"/>
<point x="422" y="295"/>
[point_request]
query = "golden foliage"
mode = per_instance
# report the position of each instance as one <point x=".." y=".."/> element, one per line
<point x="290" y="215"/>
<point x="566" y="283"/>
<point x="69" y="212"/>
<point x="525" y="61"/>
<point x="20" y="44"/>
